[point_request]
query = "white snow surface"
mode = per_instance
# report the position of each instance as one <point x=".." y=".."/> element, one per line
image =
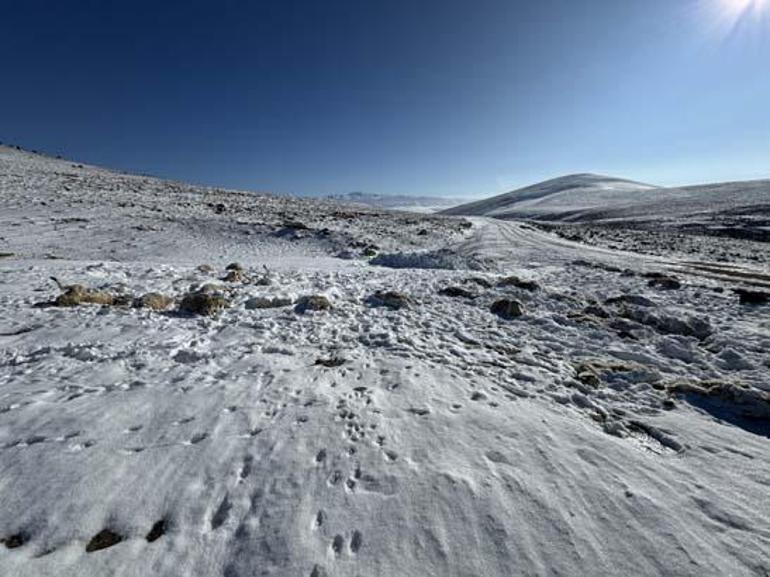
<point x="451" y="442"/>
<point x="591" y="197"/>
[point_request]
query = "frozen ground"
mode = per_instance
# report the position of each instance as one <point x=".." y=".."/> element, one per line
<point x="615" y="428"/>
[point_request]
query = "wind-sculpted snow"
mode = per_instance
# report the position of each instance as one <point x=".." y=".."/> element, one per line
<point x="617" y="426"/>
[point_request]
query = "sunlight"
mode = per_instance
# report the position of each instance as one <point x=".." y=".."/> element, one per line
<point x="732" y="13"/>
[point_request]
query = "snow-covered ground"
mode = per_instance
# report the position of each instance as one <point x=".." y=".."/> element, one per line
<point x="735" y="208"/>
<point x="619" y="426"/>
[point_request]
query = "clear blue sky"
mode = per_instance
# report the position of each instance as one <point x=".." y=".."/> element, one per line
<point x="443" y="97"/>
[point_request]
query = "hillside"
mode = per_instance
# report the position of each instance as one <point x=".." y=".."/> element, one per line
<point x="593" y="198"/>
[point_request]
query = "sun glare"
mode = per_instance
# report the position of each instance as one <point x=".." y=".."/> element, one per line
<point x="740" y="8"/>
<point x="728" y="16"/>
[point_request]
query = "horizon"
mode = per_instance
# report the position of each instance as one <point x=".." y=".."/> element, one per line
<point x="315" y="100"/>
<point x="342" y="194"/>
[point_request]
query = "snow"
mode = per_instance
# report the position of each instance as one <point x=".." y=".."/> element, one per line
<point x="574" y="440"/>
<point x="592" y="198"/>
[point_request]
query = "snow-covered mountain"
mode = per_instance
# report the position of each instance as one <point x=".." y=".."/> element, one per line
<point x="225" y="384"/>
<point x="590" y="197"/>
<point x="398" y="202"/>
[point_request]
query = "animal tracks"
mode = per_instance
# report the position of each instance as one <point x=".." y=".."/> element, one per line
<point x="354" y="544"/>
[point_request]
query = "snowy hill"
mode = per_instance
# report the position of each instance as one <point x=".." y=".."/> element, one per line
<point x="587" y="197"/>
<point x="563" y="196"/>
<point x="227" y="384"/>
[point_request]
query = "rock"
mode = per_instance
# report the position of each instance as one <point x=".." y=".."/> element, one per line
<point x="157" y="531"/>
<point x="507" y="308"/>
<point x="206" y="269"/>
<point x="390" y="299"/>
<point x="202" y="303"/>
<point x="330" y="363"/>
<point x="587" y="375"/>
<point x="234" y="266"/>
<point x="663" y="281"/>
<point x="15" y="541"/>
<point x="313" y="303"/>
<point x="102" y="540"/>
<point x="480" y="281"/>
<point x="517" y="282"/>
<point x="267" y="303"/>
<point x="686" y="325"/>
<point x="75" y="295"/>
<point x="153" y="301"/>
<point x="369" y="251"/>
<point x="235" y="275"/>
<point x="295" y="225"/>
<point x="597" y="311"/>
<point x="478" y="396"/>
<point x="752" y="297"/>
<point x="456" y="292"/>
<point x="636" y="300"/>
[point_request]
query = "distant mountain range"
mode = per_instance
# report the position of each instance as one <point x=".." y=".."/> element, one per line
<point x="399" y="202"/>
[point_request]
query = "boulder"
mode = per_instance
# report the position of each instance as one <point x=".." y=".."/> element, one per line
<point x="390" y="299"/>
<point x="507" y="308"/>
<point x="202" y="303"/>
<point x="313" y="303"/>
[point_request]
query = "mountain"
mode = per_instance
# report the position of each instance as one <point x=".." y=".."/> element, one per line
<point x="398" y="202"/>
<point x="564" y="197"/>
<point x="590" y="197"/>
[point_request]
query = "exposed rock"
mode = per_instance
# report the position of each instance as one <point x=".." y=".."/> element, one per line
<point x="663" y="281"/>
<point x="154" y="301"/>
<point x="202" y="303"/>
<point x="686" y="325"/>
<point x="206" y="269"/>
<point x="157" y="531"/>
<point x="456" y="292"/>
<point x="597" y="311"/>
<point x="313" y="303"/>
<point x="748" y="401"/>
<point x="77" y="294"/>
<point x="331" y="362"/>
<point x="517" y="282"/>
<point x="480" y="281"/>
<point x="390" y="299"/>
<point x="15" y="541"/>
<point x="102" y="540"/>
<point x="234" y="266"/>
<point x="752" y="297"/>
<point x="267" y="303"/>
<point x="295" y="225"/>
<point x="586" y="374"/>
<point x="636" y="300"/>
<point x="507" y="308"/>
<point x="235" y="275"/>
<point x="369" y="251"/>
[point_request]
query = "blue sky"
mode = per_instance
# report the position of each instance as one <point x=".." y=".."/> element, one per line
<point x="449" y="97"/>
